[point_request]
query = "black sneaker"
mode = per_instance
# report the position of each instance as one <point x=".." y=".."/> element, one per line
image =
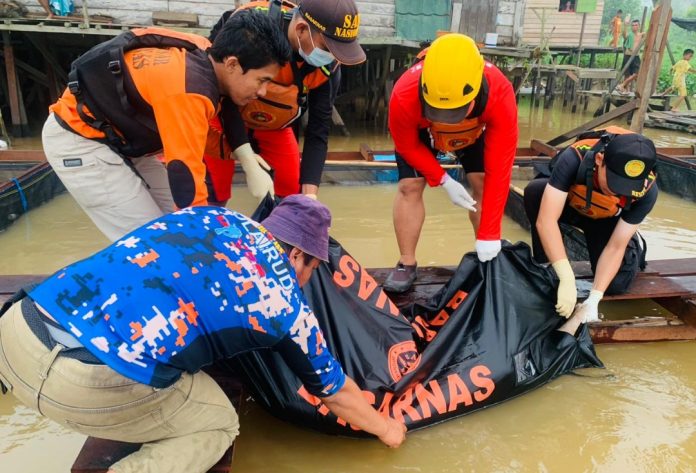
<point x="401" y="278"/>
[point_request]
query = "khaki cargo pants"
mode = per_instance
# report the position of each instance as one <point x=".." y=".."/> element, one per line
<point x="185" y="428"/>
<point x="115" y="198"/>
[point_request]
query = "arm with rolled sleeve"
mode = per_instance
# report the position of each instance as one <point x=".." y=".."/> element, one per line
<point x="306" y="353"/>
<point x="500" y="146"/>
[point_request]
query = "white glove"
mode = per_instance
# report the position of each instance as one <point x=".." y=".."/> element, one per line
<point x="589" y="310"/>
<point x="567" y="294"/>
<point x="457" y="194"/>
<point x="256" y="169"/>
<point x="487" y="249"/>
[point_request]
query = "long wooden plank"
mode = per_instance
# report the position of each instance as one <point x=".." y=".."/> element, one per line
<point x="538" y="150"/>
<point x="601" y="120"/>
<point x="662" y="278"/>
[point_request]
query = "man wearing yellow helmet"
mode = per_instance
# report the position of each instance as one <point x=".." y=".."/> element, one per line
<point x="452" y="101"/>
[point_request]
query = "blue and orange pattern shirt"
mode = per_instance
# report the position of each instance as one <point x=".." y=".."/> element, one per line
<point x="187" y="289"/>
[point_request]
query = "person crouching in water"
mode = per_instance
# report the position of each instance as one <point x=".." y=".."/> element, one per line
<point x="604" y="185"/>
<point x="112" y="346"/>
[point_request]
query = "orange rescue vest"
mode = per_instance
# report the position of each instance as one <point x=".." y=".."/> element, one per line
<point x="99" y="80"/>
<point x="286" y="93"/>
<point x="583" y="197"/>
<point x="453" y="137"/>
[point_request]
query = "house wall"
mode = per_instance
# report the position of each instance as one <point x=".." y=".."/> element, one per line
<point x="377" y="16"/>
<point x="567" y="25"/>
<point x="509" y="21"/>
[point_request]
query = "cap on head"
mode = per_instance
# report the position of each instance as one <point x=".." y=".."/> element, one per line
<point x="451" y="78"/>
<point x="629" y="160"/>
<point x="339" y="22"/>
<point x="303" y="223"/>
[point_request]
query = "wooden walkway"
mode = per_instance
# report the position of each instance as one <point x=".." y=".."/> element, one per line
<point x="678" y="121"/>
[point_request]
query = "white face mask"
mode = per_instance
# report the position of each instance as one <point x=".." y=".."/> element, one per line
<point x="318" y="57"/>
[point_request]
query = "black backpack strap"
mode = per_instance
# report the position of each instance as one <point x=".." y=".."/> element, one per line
<point x="275" y="11"/>
<point x="643" y="252"/>
<point x="16" y="297"/>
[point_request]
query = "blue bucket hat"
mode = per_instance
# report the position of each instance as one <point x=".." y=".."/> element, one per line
<point x="303" y="223"/>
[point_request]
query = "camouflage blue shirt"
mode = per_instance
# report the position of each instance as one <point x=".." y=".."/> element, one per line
<point x="187" y="289"/>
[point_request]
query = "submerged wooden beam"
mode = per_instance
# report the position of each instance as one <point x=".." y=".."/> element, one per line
<point x="647" y="329"/>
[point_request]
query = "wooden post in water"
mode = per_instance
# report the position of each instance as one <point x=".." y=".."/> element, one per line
<point x="652" y="60"/>
<point x="582" y="34"/>
<point x="12" y="92"/>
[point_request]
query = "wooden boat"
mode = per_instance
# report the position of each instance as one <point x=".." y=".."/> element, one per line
<point x="25" y="185"/>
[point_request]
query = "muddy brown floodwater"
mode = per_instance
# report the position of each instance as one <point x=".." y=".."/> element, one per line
<point x="637" y="415"/>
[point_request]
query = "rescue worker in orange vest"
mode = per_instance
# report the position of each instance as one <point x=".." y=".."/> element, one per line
<point x="605" y="185"/>
<point x="452" y="101"/>
<point x="323" y="35"/>
<point x="149" y="90"/>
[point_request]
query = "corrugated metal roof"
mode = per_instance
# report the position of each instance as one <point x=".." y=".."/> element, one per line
<point x="418" y="20"/>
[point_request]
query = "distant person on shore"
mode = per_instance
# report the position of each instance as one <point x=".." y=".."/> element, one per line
<point x="632" y="45"/>
<point x="58" y="8"/>
<point x="112" y="346"/>
<point x="103" y="135"/>
<point x="451" y="101"/>
<point x="615" y="28"/>
<point x="679" y="71"/>
<point x="605" y="185"/>
<point x="323" y="35"/>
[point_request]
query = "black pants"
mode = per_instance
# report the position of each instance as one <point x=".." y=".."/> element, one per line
<point x="596" y="232"/>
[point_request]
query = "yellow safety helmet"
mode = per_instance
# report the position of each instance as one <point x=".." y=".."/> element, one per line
<point x="451" y="78"/>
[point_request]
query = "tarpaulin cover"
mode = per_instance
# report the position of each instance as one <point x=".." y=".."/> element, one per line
<point x="488" y="335"/>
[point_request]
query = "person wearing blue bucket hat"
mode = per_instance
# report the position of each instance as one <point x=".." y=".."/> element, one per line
<point x="149" y="311"/>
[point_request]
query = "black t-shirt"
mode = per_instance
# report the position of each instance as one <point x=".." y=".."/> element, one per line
<point x="564" y="175"/>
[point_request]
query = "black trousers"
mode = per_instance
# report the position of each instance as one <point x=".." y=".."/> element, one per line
<point x="596" y="232"/>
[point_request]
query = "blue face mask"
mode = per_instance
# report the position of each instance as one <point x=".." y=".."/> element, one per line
<point x="318" y="57"/>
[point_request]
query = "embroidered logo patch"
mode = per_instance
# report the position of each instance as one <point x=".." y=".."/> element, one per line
<point x="634" y="168"/>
